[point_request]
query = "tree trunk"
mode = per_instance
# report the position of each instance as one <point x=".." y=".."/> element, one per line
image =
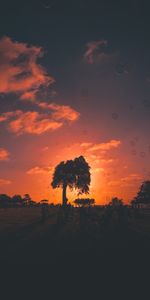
<point x="64" y="198"/>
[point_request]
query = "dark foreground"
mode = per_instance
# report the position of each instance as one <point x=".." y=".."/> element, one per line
<point x="98" y="250"/>
<point x="90" y="236"/>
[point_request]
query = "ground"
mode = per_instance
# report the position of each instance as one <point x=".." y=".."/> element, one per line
<point x="72" y="234"/>
<point x="93" y="253"/>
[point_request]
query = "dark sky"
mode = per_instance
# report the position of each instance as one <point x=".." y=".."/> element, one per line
<point x="97" y="55"/>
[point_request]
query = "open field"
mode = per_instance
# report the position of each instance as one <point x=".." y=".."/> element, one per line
<point x="73" y="232"/>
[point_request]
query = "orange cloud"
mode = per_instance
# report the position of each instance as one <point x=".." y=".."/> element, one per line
<point x="20" y="73"/>
<point x="30" y="95"/>
<point x="132" y="177"/>
<point x="34" y="122"/>
<point x="126" y="181"/>
<point x="39" y="170"/>
<point x="98" y="170"/>
<point x="45" y="148"/>
<point x="19" y="70"/>
<point x="105" y="146"/>
<point x="86" y="145"/>
<point x="4" y="182"/>
<point x="60" y="112"/>
<point x="107" y="161"/>
<point x="96" y="52"/>
<point x="4" y="154"/>
<point x="5" y="116"/>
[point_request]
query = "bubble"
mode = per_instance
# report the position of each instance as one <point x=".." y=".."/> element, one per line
<point x="115" y="116"/>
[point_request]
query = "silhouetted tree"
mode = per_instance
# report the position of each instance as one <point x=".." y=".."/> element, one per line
<point x="5" y="200"/>
<point x="74" y="174"/>
<point x="116" y="202"/>
<point x="84" y="202"/>
<point x="27" y="200"/>
<point x="143" y="195"/>
<point x="17" y="200"/>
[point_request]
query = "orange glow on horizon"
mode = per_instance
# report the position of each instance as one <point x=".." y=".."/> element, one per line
<point x="106" y="180"/>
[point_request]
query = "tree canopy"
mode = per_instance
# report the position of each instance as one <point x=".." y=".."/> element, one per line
<point x="143" y="195"/>
<point x="74" y="174"/>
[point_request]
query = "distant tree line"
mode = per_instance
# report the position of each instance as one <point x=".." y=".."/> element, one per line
<point x="16" y="201"/>
<point x="84" y="202"/>
<point x="142" y="199"/>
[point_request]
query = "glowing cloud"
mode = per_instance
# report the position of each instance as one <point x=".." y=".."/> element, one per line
<point x="4" y="182"/>
<point x="60" y="112"/>
<point x="105" y="146"/>
<point x="4" y="154"/>
<point x="98" y="170"/>
<point x="34" y="122"/>
<point x="39" y="170"/>
<point x="19" y="70"/>
<point x="30" y="95"/>
<point x="126" y="181"/>
<point x="85" y="145"/>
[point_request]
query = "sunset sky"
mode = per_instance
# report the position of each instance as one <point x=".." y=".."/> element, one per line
<point x="74" y="80"/>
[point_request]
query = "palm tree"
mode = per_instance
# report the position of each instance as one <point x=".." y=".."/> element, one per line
<point x="73" y="174"/>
